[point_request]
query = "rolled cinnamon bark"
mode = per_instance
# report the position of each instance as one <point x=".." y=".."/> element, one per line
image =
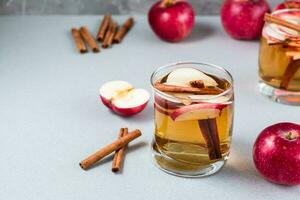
<point x="289" y="73"/>
<point x="123" y="30"/>
<point x="210" y="134"/>
<point x="180" y="89"/>
<point x="103" y="27"/>
<point x="89" y="39"/>
<point x="120" y="154"/>
<point x="109" y="36"/>
<point x="78" y="40"/>
<point x="121" y="142"/>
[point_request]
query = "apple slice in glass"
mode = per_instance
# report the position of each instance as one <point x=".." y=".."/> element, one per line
<point x="198" y="111"/>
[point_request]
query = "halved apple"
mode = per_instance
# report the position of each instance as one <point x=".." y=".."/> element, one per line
<point x="122" y="98"/>
<point x="198" y="111"/>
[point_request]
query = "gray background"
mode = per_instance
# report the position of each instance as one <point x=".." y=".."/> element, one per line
<point x="86" y="7"/>
<point x="51" y="116"/>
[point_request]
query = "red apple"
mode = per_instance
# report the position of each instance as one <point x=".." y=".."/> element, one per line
<point x="171" y="20"/>
<point x="244" y="19"/>
<point x="276" y="153"/>
<point x="198" y="111"/>
<point x="288" y="5"/>
<point x="122" y="98"/>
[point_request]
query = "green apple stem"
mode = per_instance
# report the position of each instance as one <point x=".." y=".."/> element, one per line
<point x="291" y="135"/>
<point x="289" y="73"/>
<point x="210" y="134"/>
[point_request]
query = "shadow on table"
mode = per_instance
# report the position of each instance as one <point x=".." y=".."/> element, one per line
<point x="241" y="166"/>
<point x="200" y="32"/>
<point x="144" y="116"/>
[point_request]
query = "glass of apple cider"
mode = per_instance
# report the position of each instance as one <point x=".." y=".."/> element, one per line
<point x="279" y="59"/>
<point x="193" y="108"/>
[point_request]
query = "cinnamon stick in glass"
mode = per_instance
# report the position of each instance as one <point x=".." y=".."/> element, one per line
<point x="103" y="27"/>
<point x="181" y="89"/>
<point x="210" y="134"/>
<point x="89" y="39"/>
<point x="109" y="36"/>
<point x="123" y="30"/>
<point x="289" y="73"/>
<point x="118" y="144"/>
<point x="78" y="40"/>
<point x="281" y="22"/>
<point x="119" y="154"/>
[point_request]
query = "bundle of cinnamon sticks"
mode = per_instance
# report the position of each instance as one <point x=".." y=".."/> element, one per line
<point x="118" y="146"/>
<point x="109" y="32"/>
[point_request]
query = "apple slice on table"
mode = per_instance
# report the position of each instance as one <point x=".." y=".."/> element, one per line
<point x="122" y="98"/>
<point x="198" y="111"/>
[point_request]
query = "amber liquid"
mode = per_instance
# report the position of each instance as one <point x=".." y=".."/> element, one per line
<point x="273" y="64"/>
<point x="183" y="141"/>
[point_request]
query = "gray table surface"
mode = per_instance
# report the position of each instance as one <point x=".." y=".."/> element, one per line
<point x="51" y="116"/>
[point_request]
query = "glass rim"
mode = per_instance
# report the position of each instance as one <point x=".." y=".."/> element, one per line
<point x="228" y="90"/>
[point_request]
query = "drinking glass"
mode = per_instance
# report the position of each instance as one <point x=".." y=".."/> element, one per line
<point x="279" y="60"/>
<point x="192" y="134"/>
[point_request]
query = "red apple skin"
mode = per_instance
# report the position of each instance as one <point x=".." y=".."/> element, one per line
<point x="244" y="19"/>
<point x="287" y="5"/>
<point x="164" y="103"/>
<point x="159" y="109"/>
<point x="106" y="102"/>
<point x="193" y="107"/>
<point x="172" y="23"/>
<point x="127" y="112"/>
<point x="276" y="157"/>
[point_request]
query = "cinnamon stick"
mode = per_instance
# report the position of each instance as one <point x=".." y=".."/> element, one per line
<point x="210" y="134"/>
<point x="281" y="22"/>
<point x="119" y="143"/>
<point x="109" y="36"/>
<point x="78" y="41"/>
<point x="103" y="27"/>
<point x="119" y="154"/>
<point x="181" y="89"/>
<point x="89" y="39"/>
<point x="197" y="84"/>
<point x="123" y="30"/>
<point x="289" y="73"/>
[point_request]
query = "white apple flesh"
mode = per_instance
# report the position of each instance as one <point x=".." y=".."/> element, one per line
<point x="122" y="98"/>
<point x="131" y="103"/>
<point x="113" y="89"/>
<point x="198" y="111"/>
<point x="183" y="76"/>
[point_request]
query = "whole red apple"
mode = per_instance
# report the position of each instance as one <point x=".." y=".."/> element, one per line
<point x="244" y="19"/>
<point x="288" y="5"/>
<point x="171" y="20"/>
<point x="276" y="153"/>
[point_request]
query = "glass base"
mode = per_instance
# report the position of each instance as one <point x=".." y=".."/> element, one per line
<point x="278" y="95"/>
<point x="182" y="169"/>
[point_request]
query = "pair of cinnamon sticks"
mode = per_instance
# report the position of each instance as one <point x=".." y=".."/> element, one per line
<point x="82" y="35"/>
<point x="108" y="33"/>
<point x="118" y="146"/>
